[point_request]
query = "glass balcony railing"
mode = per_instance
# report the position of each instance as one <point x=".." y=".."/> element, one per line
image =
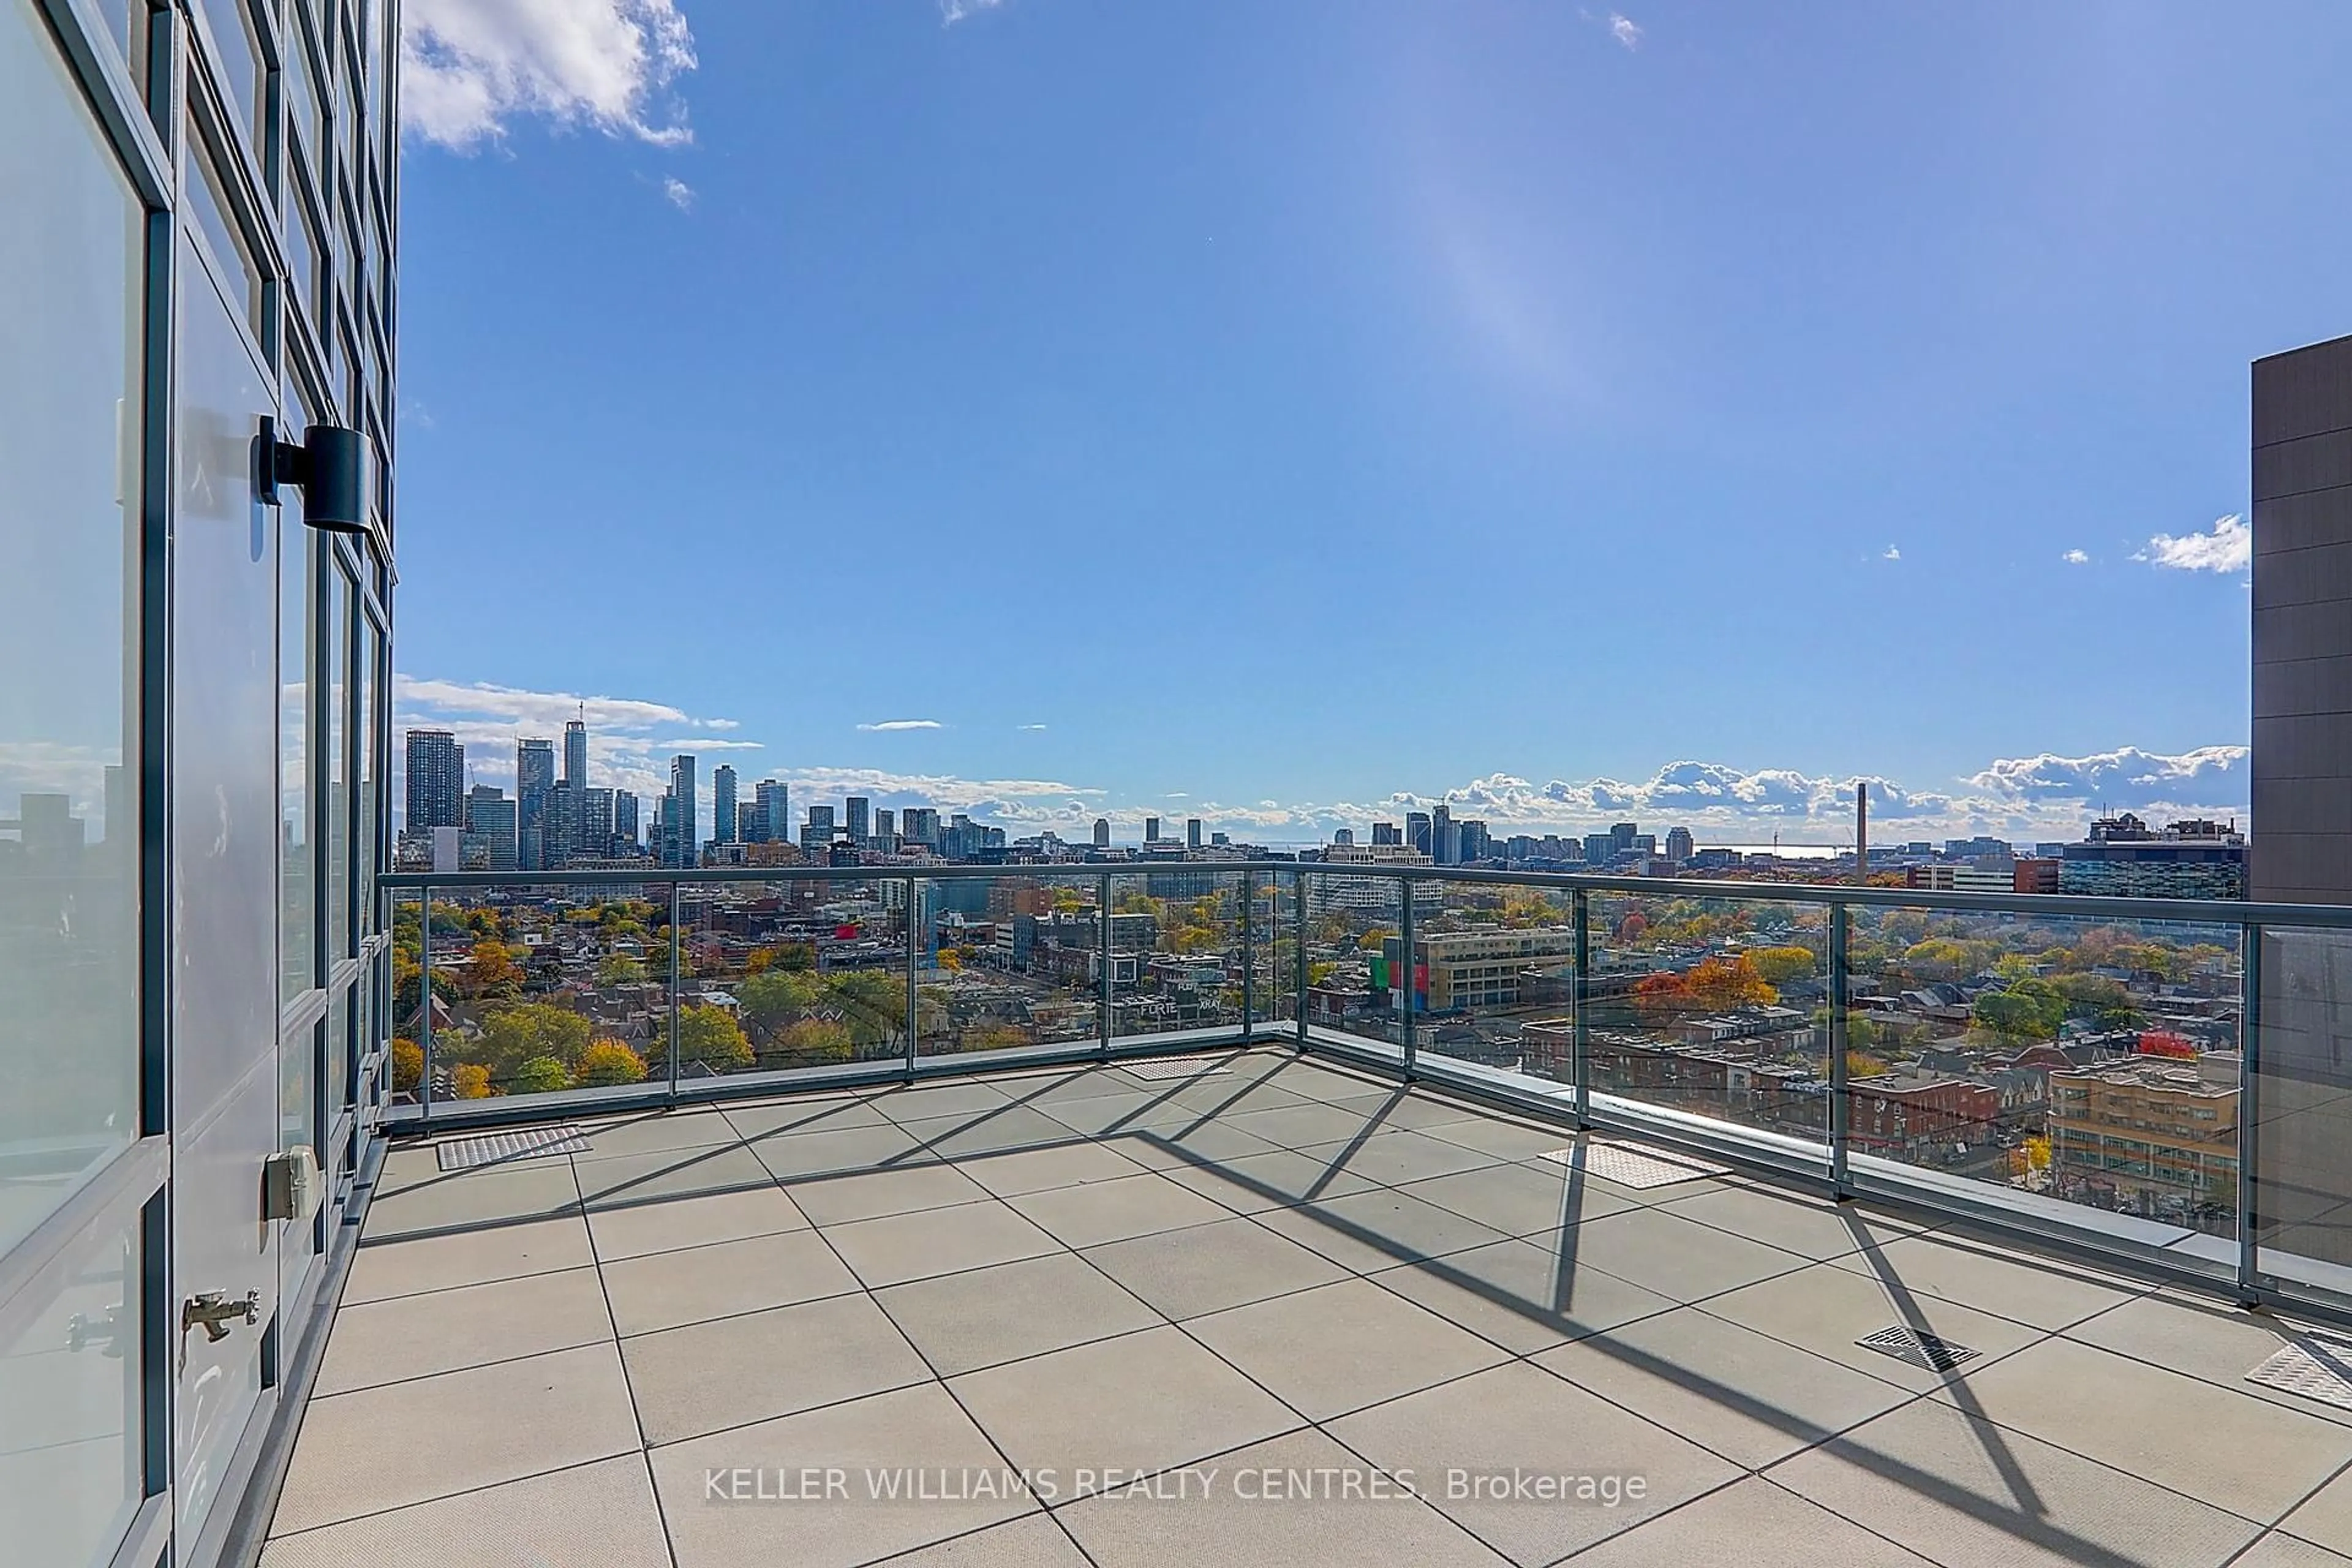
<point x="2168" y="1080"/>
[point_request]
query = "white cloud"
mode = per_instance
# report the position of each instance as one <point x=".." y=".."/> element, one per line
<point x="720" y="723"/>
<point x="1029" y="726"/>
<point x="2076" y="558"/>
<point x="2125" y="779"/>
<point x="1890" y="553"/>
<point x="680" y="194"/>
<point x="2227" y="546"/>
<point x="1623" y="29"/>
<point x="954" y="11"/>
<point x="468" y="68"/>
<point x="704" y="743"/>
<point x="886" y="725"/>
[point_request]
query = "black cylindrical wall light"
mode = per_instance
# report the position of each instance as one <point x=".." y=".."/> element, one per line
<point x="330" y="468"/>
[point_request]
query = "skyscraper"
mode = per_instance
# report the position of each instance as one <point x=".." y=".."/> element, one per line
<point x="1416" y="830"/>
<point x="771" y="814"/>
<point x="723" y="824"/>
<point x="595" y="824"/>
<point x="534" y="776"/>
<point x="861" y="818"/>
<point x="885" y="829"/>
<point x="919" y="824"/>
<point x="1102" y="832"/>
<point x="685" y="848"/>
<point x="1191" y="832"/>
<point x="437" y="780"/>
<point x="1444" y="844"/>
<point x="1151" y="830"/>
<point x="490" y="823"/>
<point x="1680" y="846"/>
<point x="624" y="820"/>
<point x="575" y="754"/>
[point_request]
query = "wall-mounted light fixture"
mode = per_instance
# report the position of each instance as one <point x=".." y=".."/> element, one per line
<point x="329" y="467"/>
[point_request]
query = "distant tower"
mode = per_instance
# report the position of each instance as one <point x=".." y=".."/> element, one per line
<point x="437" y="779"/>
<point x="684" y="848"/>
<point x="575" y="753"/>
<point x="1102" y="832"/>
<point x="861" y="819"/>
<point x="723" y="822"/>
<point x="534" y="777"/>
<point x="1191" y="832"/>
<point x="1151" y="830"/>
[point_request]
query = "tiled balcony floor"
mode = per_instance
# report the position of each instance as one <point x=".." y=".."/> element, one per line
<point x="1282" y="1266"/>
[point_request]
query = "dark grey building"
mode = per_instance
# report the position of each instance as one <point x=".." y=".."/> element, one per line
<point x="534" y="782"/>
<point x="197" y="303"/>
<point x="2302" y="766"/>
<point x="437" y="779"/>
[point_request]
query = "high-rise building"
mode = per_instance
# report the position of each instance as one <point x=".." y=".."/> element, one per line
<point x="1473" y="843"/>
<point x="723" y="823"/>
<point x="1151" y="830"/>
<point x="1416" y="831"/>
<point x="1386" y="833"/>
<point x="919" y="824"/>
<point x="1102" y="832"/>
<point x="861" y="819"/>
<point x="595" y="836"/>
<point x="490" y="824"/>
<point x="560" y="827"/>
<point x="1444" y="842"/>
<point x="575" y="754"/>
<point x="771" y="814"/>
<point x="817" y="833"/>
<point x="437" y="780"/>
<point x="1621" y="836"/>
<point x="624" y="820"/>
<point x="1599" y="848"/>
<point x="685" y="848"/>
<point x="1680" y="846"/>
<point x="2125" y="857"/>
<point x="1191" y="832"/>
<point x="534" y="776"/>
<point x="885" y="829"/>
<point x="1343" y="837"/>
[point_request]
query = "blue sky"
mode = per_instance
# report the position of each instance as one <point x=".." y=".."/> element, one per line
<point x="1263" y="412"/>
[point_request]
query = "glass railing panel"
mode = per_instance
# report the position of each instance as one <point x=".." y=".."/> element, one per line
<point x="1355" y="986"/>
<point x="1176" y="951"/>
<point x="791" y="974"/>
<point x="1009" y="963"/>
<point x="2086" y="1060"/>
<point x="1497" y="968"/>
<point x="544" y="990"/>
<point x="2302" y="1105"/>
<point x="1277" y="975"/>
<point x="1717" y="1007"/>
<point x="404" y="1069"/>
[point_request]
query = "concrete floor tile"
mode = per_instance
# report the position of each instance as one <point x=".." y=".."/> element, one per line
<point x="2041" y="1292"/>
<point x="1307" y="1126"/>
<point x="602" y="1514"/>
<point x="2326" y="1519"/>
<point x="2250" y="1456"/>
<point x="1278" y="1178"/>
<point x="1342" y="1346"/>
<point x="410" y="1266"/>
<point x="1755" y="1524"/>
<point x="1128" y="1110"/>
<point x="1518" y="1294"/>
<point x="834" y="1113"/>
<point x="664" y="1289"/>
<point x="376" y="1343"/>
<point x="1517" y="1200"/>
<point x="1113" y="1211"/>
<point x="1185" y="1273"/>
<point x="879" y="1444"/>
<point x="671" y="1225"/>
<point x="1968" y="1494"/>
<point x="1392" y="1159"/>
<point x="1732" y="1391"/>
<point x="1003" y="1130"/>
<point x="1792" y="1222"/>
<point x="2204" y="1337"/>
<point x="1673" y="1257"/>
<point x="1035" y="1541"/>
<point x="735" y="1371"/>
<point x="530" y="1190"/>
<point x="796" y="1156"/>
<point x="621" y="1181"/>
<point x="379" y="1448"/>
<point x="2279" y="1550"/>
<point x="1824" y="1308"/>
<point x="1277" y="1504"/>
<point x="838" y="1200"/>
<point x="960" y="1097"/>
<point x="1464" y="1439"/>
<point x="1505" y="1138"/>
<point x="655" y="1131"/>
<point x="1144" y="1402"/>
<point x="896" y="1248"/>
<point x="984" y="1316"/>
<point x="1379" y="1228"/>
<point x="1012" y="1173"/>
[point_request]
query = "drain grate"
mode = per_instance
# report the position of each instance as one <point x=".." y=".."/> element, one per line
<point x="2313" y="1366"/>
<point x="1175" y="1067"/>
<point x="492" y="1148"/>
<point x="1920" y="1350"/>
<point x="1630" y="1167"/>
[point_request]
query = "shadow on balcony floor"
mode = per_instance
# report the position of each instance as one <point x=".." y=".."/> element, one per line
<point x="1272" y="1314"/>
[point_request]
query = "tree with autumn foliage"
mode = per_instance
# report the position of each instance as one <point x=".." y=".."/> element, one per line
<point x="609" y="1062"/>
<point x="1711" y="985"/>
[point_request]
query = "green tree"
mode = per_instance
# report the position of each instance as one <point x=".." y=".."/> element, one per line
<point x="620" y="969"/>
<point x="541" y="1075"/>
<point x="709" y="1035"/>
<point x="816" y="1040"/>
<point x="514" y="1034"/>
<point x="776" y="996"/>
<point x="608" y="1062"/>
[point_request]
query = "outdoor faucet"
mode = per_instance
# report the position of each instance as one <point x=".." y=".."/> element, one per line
<point x="215" y="1312"/>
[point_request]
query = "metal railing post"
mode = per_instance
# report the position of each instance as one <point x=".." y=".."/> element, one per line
<point x="425" y="1005"/>
<point x="1579" y="1049"/>
<point x="1249" y="953"/>
<point x="1404" y="941"/>
<point x="1299" y="954"/>
<point x="2250" y="1055"/>
<point x="914" y="968"/>
<point x="1840" y="930"/>
<point x="1102" y="911"/>
<point x="676" y="943"/>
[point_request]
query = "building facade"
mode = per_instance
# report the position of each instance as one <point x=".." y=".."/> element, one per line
<point x="193" y="796"/>
<point x="534" y="780"/>
<point x="437" y="780"/>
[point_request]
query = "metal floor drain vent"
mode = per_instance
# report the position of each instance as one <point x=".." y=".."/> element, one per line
<point x="1632" y="1167"/>
<point x="1175" y="1067"/>
<point x="491" y="1147"/>
<point x="1920" y="1350"/>
<point x="2313" y="1366"/>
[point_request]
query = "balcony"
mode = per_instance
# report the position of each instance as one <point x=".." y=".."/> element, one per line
<point x="1424" y="1266"/>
